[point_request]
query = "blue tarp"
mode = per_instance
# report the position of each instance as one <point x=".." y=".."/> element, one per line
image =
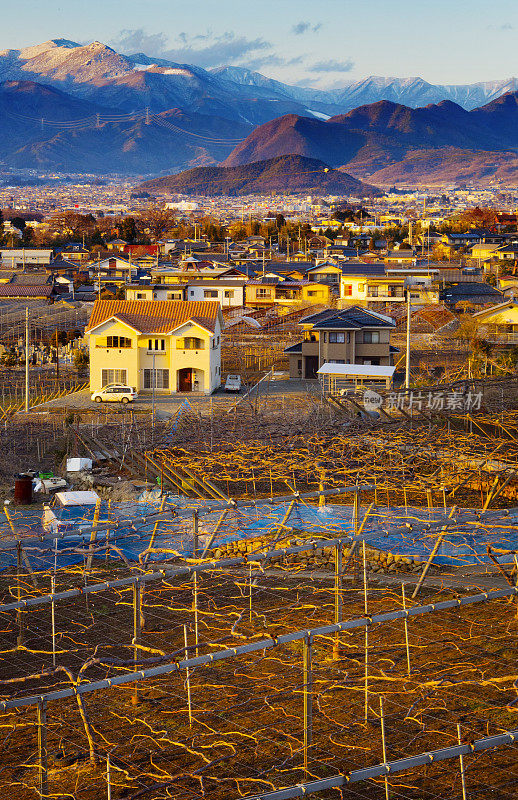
<point x="133" y="523"/>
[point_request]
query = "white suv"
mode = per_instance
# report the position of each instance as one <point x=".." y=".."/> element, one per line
<point x="115" y="393"/>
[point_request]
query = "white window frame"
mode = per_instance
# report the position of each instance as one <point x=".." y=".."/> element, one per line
<point x="161" y="378"/>
<point x="114" y="376"/>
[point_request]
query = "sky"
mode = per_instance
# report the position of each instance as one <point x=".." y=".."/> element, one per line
<point x="320" y="43"/>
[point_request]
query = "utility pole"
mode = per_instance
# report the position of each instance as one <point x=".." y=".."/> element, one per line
<point x="153" y="390"/>
<point x="27" y="359"/>
<point x="57" y="358"/>
<point x="407" y="359"/>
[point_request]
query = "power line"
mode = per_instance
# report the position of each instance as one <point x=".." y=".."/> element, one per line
<point x="97" y="120"/>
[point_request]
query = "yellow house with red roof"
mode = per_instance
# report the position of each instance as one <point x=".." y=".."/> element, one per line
<point x="175" y="345"/>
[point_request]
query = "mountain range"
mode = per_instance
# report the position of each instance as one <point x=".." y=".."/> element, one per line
<point x="67" y="107"/>
<point x="133" y="81"/>
<point x="387" y="142"/>
<point x="288" y="173"/>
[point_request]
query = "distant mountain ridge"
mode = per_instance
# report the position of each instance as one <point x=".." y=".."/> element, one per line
<point x="97" y="69"/>
<point x="376" y="137"/>
<point x="68" y="107"/>
<point x="283" y="174"/>
<point x="74" y="142"/>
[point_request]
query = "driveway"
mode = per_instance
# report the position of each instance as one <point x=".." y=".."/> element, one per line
<point x="170" y="403"/>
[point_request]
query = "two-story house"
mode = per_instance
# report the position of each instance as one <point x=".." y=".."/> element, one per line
<point x="116" y="270"/>
<point x="175" y="345"/>
<point x="499" y="323"/>
<point x="229" y="292"/>
<point x="272" y="290"/>
<point x="352" y="335"/>
<point x="155" y="291"/>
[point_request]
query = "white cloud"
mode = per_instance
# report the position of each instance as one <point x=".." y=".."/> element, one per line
<point x="205" y="49"/>
<point x="332" y="66"/>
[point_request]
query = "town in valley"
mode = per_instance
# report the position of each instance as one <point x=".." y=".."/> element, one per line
<point x="258" y="413"/>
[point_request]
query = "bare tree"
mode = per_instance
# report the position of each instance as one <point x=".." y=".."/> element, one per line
<point x="157" y="220"/>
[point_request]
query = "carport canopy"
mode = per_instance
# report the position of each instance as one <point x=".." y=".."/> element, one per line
<point x="335" y="377"/>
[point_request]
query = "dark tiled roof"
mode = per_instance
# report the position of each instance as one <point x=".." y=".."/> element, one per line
<point x="227" y="283"/>
<point x="30" y="279"/>
<point x="362" y="268"/>
<point x="294" y="348"/>
<point x="12" y="290"/>
<point x="352" y="317"/>
<point x="265" y="282"/>
<point x="470" y="291"/>
<point x="400" y="254"/>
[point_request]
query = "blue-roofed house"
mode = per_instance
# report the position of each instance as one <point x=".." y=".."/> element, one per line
<point x="351" y="335"/>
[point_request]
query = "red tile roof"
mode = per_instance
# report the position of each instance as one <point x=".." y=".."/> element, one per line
<point x="155" y="316"/>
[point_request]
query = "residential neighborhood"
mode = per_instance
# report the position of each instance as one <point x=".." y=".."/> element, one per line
<point x="258" y="400"/>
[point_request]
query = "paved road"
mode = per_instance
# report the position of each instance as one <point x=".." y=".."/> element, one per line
<point x="169" y="404"/>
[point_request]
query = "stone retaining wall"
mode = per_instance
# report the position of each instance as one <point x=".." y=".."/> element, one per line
<point x="378" y="561"/>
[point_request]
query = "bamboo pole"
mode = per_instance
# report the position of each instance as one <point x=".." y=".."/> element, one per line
<point x="42" y="749"/>
<point x="432" y="556"/>
<point x="366" y="699"/>
<point x="187" y="676"/>
<point x="195" y="609"/>
<point x="19" y="613"/>
<point x="53" y="618"/>
<point x="93" y="535"/>
<point x="406" y="630"/>
<point x="384" y="745"/>
<point x="308" y="697"/>
<point x="338" y="594"/>
<point x="250" y="592"/>
<point x="461" y="760"/>
<point x="108" y="777"/>
<point x="136" y="633"/>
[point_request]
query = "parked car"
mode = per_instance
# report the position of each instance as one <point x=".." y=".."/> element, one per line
<point x="233" y="383"/>
<point x="115" y="393"/>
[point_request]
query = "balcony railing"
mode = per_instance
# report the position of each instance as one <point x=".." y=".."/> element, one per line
<point x="501" y="338"/>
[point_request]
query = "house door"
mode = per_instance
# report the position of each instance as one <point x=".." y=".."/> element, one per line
<point x="185" y="380"/>
<point x="311" y="366"/>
